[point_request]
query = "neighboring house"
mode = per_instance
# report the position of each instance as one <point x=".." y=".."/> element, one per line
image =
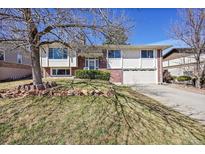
<point x="178" y="59"/>
<point x="15" y="62"/>
<point x="127" y="64"/>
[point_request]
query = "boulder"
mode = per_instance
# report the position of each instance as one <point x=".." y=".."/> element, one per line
<point x="47" y="85"/>
<point x="78" y="92"/>
<point x="85" y="92"/>
<point x="70" y="93"/>
<point x="40" y="87"/>
<point x="27" y="87"/>
<point x="110" y="93"/>
<point x="44" y="92"/>
<point x="98" y="92"/>
<point x="32" y="87"/>
<point x="92" y="92"/>
<point x="18" y="87"/>
<point x="52" y="83"/>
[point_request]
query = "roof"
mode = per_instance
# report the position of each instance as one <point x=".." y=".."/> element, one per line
<point x="132" y="47"/>
<point x="162" y="47"/>
<point x="174" y="44"/>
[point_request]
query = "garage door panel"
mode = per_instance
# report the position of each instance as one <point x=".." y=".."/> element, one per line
<point x="139" y="77"/>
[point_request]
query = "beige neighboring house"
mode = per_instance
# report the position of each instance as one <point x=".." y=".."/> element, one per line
<point x="15" y="62"/>
<point x="179" y="61"/>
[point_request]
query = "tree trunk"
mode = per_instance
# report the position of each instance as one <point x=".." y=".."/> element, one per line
<point x="35" y="53"/>
<point x="36" y="69"/>
<point x="198" y="72"/>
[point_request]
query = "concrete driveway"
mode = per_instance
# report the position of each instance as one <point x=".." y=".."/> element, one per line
<point x="188" y="103"/>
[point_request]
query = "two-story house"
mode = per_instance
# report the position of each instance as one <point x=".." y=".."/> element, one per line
<point x="179" y="58"/>
<point x="127" y="64"/>
<point x="181" y="61"/>
<point x="15" y="62"/>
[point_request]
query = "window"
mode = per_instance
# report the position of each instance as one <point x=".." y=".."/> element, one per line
<point x="58" y="53"/>
<point x="147" y="54"/>
<point x="61" y="72"/>
<point x="1" y="55"/>
<point x="19" y="58"/>
<point x="114" y="54"/>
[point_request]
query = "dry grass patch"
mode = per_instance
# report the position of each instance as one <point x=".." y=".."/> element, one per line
<point x="126" y="118"/>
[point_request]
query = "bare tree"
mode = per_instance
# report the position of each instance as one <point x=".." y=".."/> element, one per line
<point x="33" y="28"/>
<point x="190" y="28"/>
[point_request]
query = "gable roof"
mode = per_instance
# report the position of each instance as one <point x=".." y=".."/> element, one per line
<point x="175" y="44"/>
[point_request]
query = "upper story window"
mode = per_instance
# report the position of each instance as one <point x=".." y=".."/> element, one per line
<point x="1" y="55"/>
<point x="147" y="54"/>
<point x="19" y="59"/>
<point x="57" y="53"/>
<point x="114" y="54"/>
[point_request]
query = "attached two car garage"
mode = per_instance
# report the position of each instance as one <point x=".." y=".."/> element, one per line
<point x="131" y="77"/>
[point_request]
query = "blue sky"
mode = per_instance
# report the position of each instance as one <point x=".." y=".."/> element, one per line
<point x="151" y="25"/>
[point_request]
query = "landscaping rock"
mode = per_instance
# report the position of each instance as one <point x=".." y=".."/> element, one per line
<point x="52" y="83"/>
<point x="78" y="92"/>
<point x="40" y="87"/>
<point x="110" y="93"/>
<point x="18" y="87"/>
<point x="92" y="92"/>
<point x="27" y="87"/>
<point x="98" y="93"/>
<point x="85" y="92"/>
<point x="70" y="93"/>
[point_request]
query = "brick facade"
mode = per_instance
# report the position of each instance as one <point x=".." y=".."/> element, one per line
<point x="47" y="72"/>
<point x="103" y="60"/>
<point x="116" y="75"/>
<point x="159" y="66"/>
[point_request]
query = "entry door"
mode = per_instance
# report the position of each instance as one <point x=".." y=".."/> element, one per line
<point x="92" y="65"/>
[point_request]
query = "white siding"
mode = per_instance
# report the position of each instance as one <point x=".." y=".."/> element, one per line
<point x="182" y="60"/>
<point x="165" y="63"/>
<point x="131" y="59"/>
<point x="148" y="63"/>
<point x="114" y="63"/>
<point x="45" y="62"/>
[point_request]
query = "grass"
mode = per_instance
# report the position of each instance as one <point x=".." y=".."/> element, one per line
<point x="126" y="118"/>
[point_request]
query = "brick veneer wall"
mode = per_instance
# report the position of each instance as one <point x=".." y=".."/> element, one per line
<point x="116" y="75"/>
<point x="159" y="66"/>
<point x="47" y="72"/>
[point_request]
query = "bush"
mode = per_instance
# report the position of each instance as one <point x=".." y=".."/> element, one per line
<point x="167" y="76"/>
<point x="183" y="78"/>
<point x="174" y="77"/>
<point x="92" y="74"/>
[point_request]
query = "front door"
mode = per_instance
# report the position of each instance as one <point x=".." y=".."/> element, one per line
<point x="92" y="65"/>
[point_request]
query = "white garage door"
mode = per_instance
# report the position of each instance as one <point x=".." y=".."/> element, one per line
<point x="139" y="77"/>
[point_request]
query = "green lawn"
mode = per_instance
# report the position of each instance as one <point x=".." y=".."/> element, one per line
<point x="126" y="118"/>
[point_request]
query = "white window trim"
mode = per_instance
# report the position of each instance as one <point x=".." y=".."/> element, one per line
<point x="88" y="68"/>
<point x="17" y="58"/>
<point x="51" y="72"/>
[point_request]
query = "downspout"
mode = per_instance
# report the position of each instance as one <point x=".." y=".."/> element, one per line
<point x="69" y="62"/>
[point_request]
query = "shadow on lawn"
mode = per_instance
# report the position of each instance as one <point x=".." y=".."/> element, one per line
<point x="125" y="118"/>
